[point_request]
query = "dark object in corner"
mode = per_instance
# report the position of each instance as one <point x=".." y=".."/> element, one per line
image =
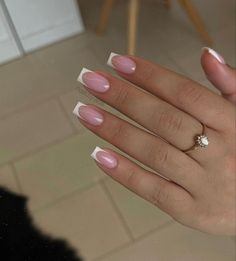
<point x="20" y="240"/>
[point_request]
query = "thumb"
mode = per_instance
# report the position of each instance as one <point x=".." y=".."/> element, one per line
<point x="221" y="75"/>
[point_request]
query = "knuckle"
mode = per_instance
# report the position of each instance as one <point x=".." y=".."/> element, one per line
<point x="119" y="132"/>
<point x="148" y="74"/>
<point x="151" y="154"/>
<point x="131" y="178"/>
<point x="157" y="155"/>
<point x="160" y="195"/>
<point x="189" y="93"/>
<point x="121" y="97"/>
<point x="163" y="156"/>
<point x="170" y="122"/>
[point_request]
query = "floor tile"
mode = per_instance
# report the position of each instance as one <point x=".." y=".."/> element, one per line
<point x="32" y="129"/>
<point x="176" y="243"/>
<point x="44" y="73"/>
<point x="75" y="42"/>
<point x="7" y="179"/>
<point x="139" y="215"/>
<point x="60" y="169"/>
<point x="68" y="62"/>
<point x="25" y="82"/>
<point x="87" y="220"/>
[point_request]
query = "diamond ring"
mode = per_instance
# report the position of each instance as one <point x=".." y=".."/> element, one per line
<point x="200" y="140"/>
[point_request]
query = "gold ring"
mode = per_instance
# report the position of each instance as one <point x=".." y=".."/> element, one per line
<point x="200" y="140"/>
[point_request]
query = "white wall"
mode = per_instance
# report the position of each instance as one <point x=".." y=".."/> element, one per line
<point x="37" y="23"/>
<point x="41" y="22"/>
<point x="8" y="47"/>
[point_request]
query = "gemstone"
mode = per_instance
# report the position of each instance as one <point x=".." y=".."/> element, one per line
<point x="202" y="140"/>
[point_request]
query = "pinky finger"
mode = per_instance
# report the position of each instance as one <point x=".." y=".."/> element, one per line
<point x="166" y="195"/>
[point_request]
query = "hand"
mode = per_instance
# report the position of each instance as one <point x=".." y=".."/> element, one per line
<point x="197" y="187"/>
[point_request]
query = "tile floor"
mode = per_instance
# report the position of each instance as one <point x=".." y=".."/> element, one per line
<point x="44" y="151"/>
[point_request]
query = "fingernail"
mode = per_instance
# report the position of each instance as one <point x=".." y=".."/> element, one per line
<point x="121" y="63"/>
<point x="93" y="81"/>
<point x="88" y="114"/>
<point x="104" y="158"/>
<point x="217" y="56"/>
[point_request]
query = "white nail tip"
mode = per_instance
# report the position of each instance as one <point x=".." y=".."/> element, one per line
<point x="215" y="54"/>
<point x="109" y="61"/>
<point x="80" y="77"/>
<point x="76" y="109"/>
<point x="93" y="155"/>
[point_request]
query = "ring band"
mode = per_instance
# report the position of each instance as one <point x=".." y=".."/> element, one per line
<point x="200" y="140"/>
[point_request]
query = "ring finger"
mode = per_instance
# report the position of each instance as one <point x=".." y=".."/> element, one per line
<point x="148" y="149"/>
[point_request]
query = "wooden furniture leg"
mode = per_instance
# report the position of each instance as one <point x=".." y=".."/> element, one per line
<point x="197" y="21"/>
<point x="104" y="16"/>
<point x="132" y="25"/>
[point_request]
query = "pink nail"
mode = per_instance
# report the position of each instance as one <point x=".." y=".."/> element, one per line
<point x="104" y="158"/>
<point x="216" y="55"/>
<point x="121" y="63"/>
<point x="93" y="81"/>
<point x="88" y="114"/>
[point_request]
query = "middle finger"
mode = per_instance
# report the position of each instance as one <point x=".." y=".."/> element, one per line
<point x="154" y="114"/>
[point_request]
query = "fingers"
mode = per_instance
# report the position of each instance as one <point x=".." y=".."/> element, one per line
<point x="222" y="76"/>
<point x="166" y="195"/>
<point x="141" y="145"/>
<point x="156" y="115"/>
<point x="181" y="92"/>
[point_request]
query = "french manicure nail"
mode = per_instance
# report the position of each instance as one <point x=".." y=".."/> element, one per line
<point x="93" y="81"/>
<point x="121" y="63"/>
<point x="104" y="158"/>
<point x="216" y="55"/>
<point x="88" y="114"/>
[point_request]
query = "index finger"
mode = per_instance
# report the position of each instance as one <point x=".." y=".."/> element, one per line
<point x="185" y="94"/>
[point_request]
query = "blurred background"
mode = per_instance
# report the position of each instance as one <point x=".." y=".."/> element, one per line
<point x="44" y="150"/>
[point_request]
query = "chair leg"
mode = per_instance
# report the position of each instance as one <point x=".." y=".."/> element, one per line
<point x="196" y="20"/>
<point x="132" y="25"/>
<point x="104" y="16"/>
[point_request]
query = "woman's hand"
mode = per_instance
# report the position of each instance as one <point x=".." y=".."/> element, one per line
<point x="196" y="187"/>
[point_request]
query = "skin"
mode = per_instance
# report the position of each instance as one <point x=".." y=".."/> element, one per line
<point x="196" y="188"/>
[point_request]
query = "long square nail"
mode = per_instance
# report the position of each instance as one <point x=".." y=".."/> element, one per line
<point x="93" y="80"/>
<point x="121" y="63"/>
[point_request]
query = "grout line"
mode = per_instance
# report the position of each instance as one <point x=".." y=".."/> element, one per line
<point x="163" y="226"/>
<point x="49" y="144"/>
<point x="142" y="237"/>
<point x="51" y="97"/>
<point x="117" y="249"/>
<point x="11" y="164"/>
<point x="26" y="108"/>
<point x="66" y="196"/>
<point x="66" y="114"/>
<point x="37" y="150"/>
<point x="118" y="212"/>
<point x="34" y="104"/>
